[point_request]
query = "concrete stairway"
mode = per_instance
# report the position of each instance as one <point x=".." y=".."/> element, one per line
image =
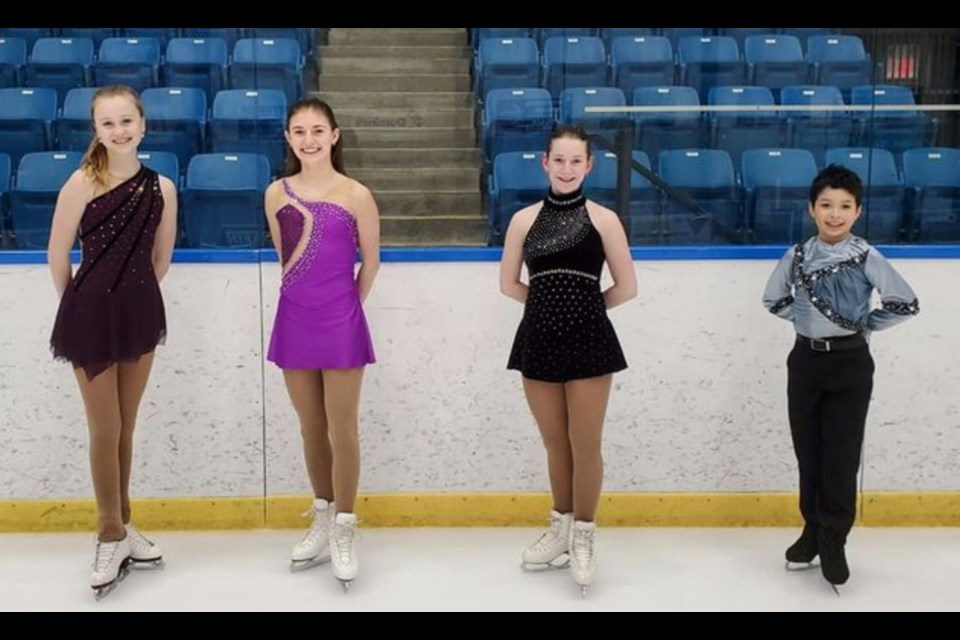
<point x="403" y="100"/>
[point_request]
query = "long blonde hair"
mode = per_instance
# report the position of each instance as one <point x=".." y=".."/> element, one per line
<point x="94" y="163"/>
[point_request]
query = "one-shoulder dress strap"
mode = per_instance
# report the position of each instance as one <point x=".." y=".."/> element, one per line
<point x="290" y="192"/>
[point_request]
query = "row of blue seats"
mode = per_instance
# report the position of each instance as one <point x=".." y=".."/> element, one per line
<point x="241" y="120"/>
<point x="520" y="119"/>
<point x="766" y="203"/>
<point x="477" y="35"/>
<point x="307" y="38"/>
<point x="221" y="198"/>
<point x="702" y="62"/>
<point x="65" y="63"/>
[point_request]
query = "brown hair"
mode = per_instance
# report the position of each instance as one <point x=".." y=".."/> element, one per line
<point x="292" y="164"/>
<point x="94" y="163"/>
<point x="569" y="131"/>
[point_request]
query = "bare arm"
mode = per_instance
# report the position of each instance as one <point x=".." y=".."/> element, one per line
<point x="616" y="248"/>
<point x="71" y="202"/>
<point x="167" y="231"/>
<point x="512" y="260"/>
<point x="272" y="201"/>
<point x="368" y="228"/>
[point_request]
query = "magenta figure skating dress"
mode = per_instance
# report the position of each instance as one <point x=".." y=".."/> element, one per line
<point x="320" y="322"/>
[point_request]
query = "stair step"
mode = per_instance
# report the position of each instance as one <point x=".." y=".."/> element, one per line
<point x="410" y="158"/>
<point x="397" y="99"/>
<point x="429" y="82"/>
<point x="380" y="37"/>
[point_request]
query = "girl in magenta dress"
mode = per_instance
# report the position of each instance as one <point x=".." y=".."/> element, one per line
<point x="320" y="322"/>
<point x="319" y="219"/>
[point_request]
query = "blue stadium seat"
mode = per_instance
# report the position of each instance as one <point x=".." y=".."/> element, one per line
<point x="176" y="121"/>
<point x="609" y="36"/>
<point x="741" y="35"/>
<point x="230" y="35"/>
<point x="29" y="35"/>
<point x="708" y="62"/>
<point x="199" y="63"/>
<point x="479" y="35"/>
<point x="707" y="176"/>
<point x="805" y="34"/>
<point x="74" y="129"/>
<point x="775" y="62"/>
<point x="268" y="64"/>
<point x="162" y="35"/>
<point x="839" y="61"/>
<point x="542" y="35"/>
<point x="13" y="55"/>
<point x="662" y="130"/>
<point x="5" y="180"/>
<point x="817" y="131"/>
<point x="98" y="35"/>
<point x="134" y="62"/>
<point x="250" y="121"/>
<point x="674" y="35"/>
<point x="933" y="177"/>
<point x="505" y="63"/>
<point x="516" y="120"/>
<point x="736" y="131"/>
<point x="32" y="201"/>
<point x="223" y="200"/>
<point x="641" y="61"/>
<point x="895" y="131"/>
<point x="643" y="218"/>
<point x="26" y="121"/>
<point x="573" y="104"/>
<point x="573" y="62"/>
<point x="518" y="180"/>
<point x="776" y="184"/>
<point x="163" y="162"/>
<point x="304" y="37"/>
<point x="59" y="63"/>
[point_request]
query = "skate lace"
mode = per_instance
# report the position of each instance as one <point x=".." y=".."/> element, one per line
<point x="342" y="542"/>
<point x="318" y="527"/>
<point x="549" y="537"/>
<point x="583" y="546"/>
<point x="106" y="551"/>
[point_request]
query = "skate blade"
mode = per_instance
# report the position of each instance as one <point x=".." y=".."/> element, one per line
<point x="345" y="585"/>
<point x="539" y="567"/>
<point x="836" y="589"/>
<point x="583" y="591"/>
<point x="101" y="592"/>
<point x="800" y="566"/>
<point x="153" y="563"/>
<point x="296" y="566"/>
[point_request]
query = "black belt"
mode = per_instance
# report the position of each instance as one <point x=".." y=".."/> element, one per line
<point x="839" y="343"/>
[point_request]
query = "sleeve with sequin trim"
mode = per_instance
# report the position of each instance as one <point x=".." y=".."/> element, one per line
<point x="778" y="295"/>
<point x="898" y="301"/>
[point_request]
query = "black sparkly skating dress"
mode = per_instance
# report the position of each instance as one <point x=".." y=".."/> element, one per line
<point x="565" y="333"/>
<point x="112" y="310"/>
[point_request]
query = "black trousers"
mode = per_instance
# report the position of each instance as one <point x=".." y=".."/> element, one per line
<point x="827" y="396"/>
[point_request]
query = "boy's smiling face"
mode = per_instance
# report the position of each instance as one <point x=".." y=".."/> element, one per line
<point x="835" y="212"/>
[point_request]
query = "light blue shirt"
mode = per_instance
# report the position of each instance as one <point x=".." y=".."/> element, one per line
<point x="825" y="290"/>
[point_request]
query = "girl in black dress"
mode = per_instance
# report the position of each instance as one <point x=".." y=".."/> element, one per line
<point x="565" y="346"/>
<point x="111" y="314"/>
